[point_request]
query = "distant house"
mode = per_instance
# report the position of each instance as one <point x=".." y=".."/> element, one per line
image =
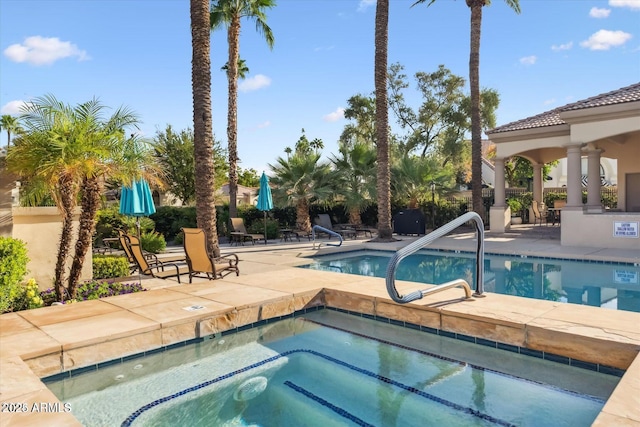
<point x="244" y="196"/>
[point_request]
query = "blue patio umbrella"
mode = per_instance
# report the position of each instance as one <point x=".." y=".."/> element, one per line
<point x="265" y="201"/>
<point x="137" y="200"/>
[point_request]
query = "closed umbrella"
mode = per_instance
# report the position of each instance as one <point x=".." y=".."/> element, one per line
<point x="137" y="201"/>
<point x="265" y="201"/>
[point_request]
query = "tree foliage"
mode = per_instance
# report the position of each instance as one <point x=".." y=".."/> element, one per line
<point x="175" y="152"/>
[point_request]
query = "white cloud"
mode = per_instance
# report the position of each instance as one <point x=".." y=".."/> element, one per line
<point x="334" y="116"/>
<point x="605" y="39"/>
<point x="38" y="50"/>
<point x="365" y="4"/>
<point x="13" y="108"/>
<point x="254" y="83"/>
<point x="596" y="12"/>
<point x="631" y="4"/>
<point x="564" y="46"/>
<point x="264" y="125"/>
<point x="549" y="101"/>
<point x="528" y="60"/>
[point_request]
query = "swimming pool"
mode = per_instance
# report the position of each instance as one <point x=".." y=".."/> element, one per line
<point x="327" y="368"/>
<point x="599" y="284"/>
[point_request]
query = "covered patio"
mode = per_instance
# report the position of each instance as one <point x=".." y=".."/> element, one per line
<point x="606" y="125"/>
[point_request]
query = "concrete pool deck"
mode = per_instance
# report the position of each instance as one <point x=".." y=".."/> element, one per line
<point x="50" y="340"/>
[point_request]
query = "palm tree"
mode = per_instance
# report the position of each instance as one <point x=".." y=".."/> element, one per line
<point x="413" y="176"/>
<point x="66" y="152"/>
<point x="474" y="83"/>
<point x="383" y="185"/>
<point x="11" y="125"/>
<point x="300" y="181"/>
<point x="243" y="69"/>
<point x="230" y="13"/>
<point x="355" y="182"/>
<point x="112" y="156"/>
<point x="202" y="121"/>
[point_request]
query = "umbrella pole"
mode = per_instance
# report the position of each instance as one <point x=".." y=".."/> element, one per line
<point x="265" y="227"/>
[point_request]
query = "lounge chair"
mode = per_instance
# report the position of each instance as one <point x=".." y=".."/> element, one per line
<point x="128" y="239"/>
<point x="200" y="261"/>
<point x="324" y="221"/>
<point x="155" y="270"/>
<point x="240" y="232"/>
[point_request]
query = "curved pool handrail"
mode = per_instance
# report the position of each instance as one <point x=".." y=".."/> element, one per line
<point x="324" y="230"/>
<point x="428" y="239"/>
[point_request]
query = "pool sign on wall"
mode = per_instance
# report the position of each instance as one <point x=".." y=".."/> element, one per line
<point x="625" y="229"/>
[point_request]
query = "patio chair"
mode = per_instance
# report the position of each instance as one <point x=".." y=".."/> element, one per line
<point x="324" y="221"/>
<point x="157" y="269"/>
<point x="240" y="232"/>
<point x="539" y="213"/>
<point x="200" y="261"/>
<point x="127" y="239"/>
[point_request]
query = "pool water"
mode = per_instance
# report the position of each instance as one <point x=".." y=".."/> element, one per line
<point x="608" y="285"/>
<point x="328" y="368"/>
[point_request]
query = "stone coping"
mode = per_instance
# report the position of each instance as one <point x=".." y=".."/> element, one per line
<point x="47" y="341"/>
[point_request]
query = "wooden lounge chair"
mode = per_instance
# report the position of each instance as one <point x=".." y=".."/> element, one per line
<point x="238" y="227"/>
<point x="200" y="261"/>
<point x="128" y="239"/>
<point x="160" y="270"/>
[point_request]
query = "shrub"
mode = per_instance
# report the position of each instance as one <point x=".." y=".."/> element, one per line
<point x="153" y="241"/>
<point x="273" y="228"/>
<point x="13" y="268"/>
<point x="110" y="266"/>
<point x="29" y="297"/>
<point x="95" y="289"/>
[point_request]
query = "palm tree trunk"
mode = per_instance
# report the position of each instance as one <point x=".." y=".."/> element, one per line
<point x="91" y="190"/>
<point x="303" y="222"/>
<point x="233" y="39"/>
<point x="476" y="124"/>
<point x="383" y="185"/>
<point x="354" y="216"/>
<point x="202" y="122"/>
<point x="66" y="203"/>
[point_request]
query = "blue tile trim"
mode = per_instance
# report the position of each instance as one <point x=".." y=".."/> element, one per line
<point x="558" y="359"/>
<point x="447" y="334"/>
<point x="496" y="254"/>
<point x="509" y="347"/>
<point x="584" y="365"/>
<point x="610" y="370"/>
<point x="131" y="418"/>
<point x="343" y="413"/>
<point x="532" y="353"/>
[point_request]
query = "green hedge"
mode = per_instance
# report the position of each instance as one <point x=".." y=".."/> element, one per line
<point x="13" y="268"/>
<point x="110" y="266"/>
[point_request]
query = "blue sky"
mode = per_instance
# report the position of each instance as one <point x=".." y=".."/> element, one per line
<point x="137" y="53"/>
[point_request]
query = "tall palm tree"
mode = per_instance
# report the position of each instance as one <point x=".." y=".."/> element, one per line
<point x="474" y="83"/>
<point x="356" y="173"/>
<point x="202" y="121"/>
<point x="383" y="186"/>
<point x="229" y="13"/>
<point x="300" y="181"/>
<point x="11" y="125"/>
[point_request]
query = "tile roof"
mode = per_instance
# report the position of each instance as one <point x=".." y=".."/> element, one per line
<point x="552" y="118"/>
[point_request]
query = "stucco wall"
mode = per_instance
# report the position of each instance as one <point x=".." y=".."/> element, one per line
<point x="596" y="230"/>
<point x="40" y="229"/>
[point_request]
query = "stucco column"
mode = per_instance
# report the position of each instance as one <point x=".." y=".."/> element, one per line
<point x="537" y="182"/>
<point x="498" y="190"/>
<point x="499" y="217"/>
<point x="574" y="183"/>
<point x="593" y="181"/>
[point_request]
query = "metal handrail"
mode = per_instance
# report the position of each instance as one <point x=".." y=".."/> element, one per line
<point x="428" y="239"/>
<point x="325" y="230"/>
